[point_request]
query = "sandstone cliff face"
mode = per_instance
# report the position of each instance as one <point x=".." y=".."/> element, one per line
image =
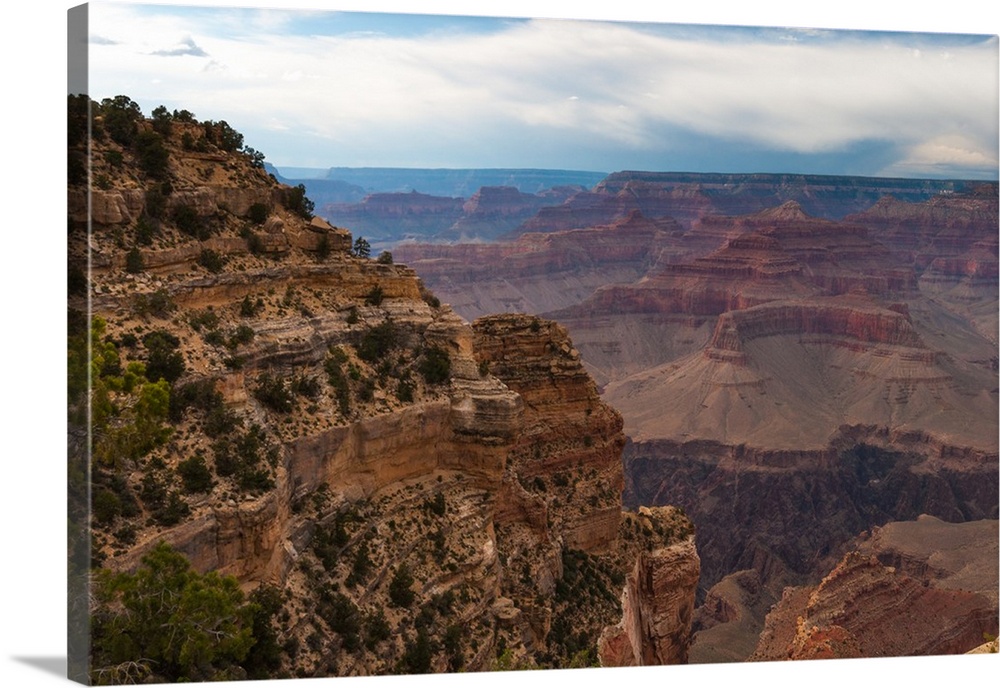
<point x="560" y="507"/>
<point x="657" y="607"/>
<point x="538" y="272"/>
<point x="942" y="601"/>
<point x="564" y="414"/>
<point x="490" y="212"/>
<point x="326" y="426"/>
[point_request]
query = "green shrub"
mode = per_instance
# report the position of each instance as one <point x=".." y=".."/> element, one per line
<point x="258" y="213"/>
<point x="121" y="117"/>
<point x="158" y="304"/>
<point x="362" y="249"/>
<point x="249" y="308"/>
<point x="323" y="247"/>
<point x="153" y="155"/>
<point x="213" y="261"/>
<point x="342" y="616"/>
<point x="106" y="506"/>
<point x="306" y="386"/>
<point x="400" y="592"/>
<point x="156" y="202"/>
<point x="435" y="366"/>
<point x="114" y="158"/>
<point x="167" y="621"/>
<point x="377" y="341"/>
<point x="338" y="380"/>
<point x="297" y="202"/>
<point x="207" y="319"/>
<point x="375" y="296"/>
<point x="241" y="456"/>
<point x="195" y="475"/>
<point x="163" y="360"/>
<point x="376" y="629"/>
<point x="133" y="261"/>
<point x="243" y="334"/>
<point x="144" y="231"/>
<point x="271" y="391"/>
<point x="187" y="220"/>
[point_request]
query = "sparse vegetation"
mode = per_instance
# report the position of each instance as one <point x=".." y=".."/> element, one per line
<point x="213" y="261"/>
<point x="435" y="366"/>
<point x="361" y="248"/>
<point x="297" y="202"/>
<point x="272" y="391"/>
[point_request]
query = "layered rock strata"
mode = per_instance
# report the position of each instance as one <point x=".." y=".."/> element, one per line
<point x="942" y="600"/>
<point x="538" y="272"/>
<point x="316" y="423"/>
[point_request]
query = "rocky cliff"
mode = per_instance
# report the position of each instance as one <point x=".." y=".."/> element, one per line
<point x="388" y="218"/>
<point x="537" y="273"/>
<point x="787" y="378"/>
<point x="409" y="492"/>
<point x="689" y="198"/>
<point x="911" y="588"/>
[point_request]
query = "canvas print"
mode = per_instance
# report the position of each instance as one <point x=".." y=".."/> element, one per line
<point x="412" y="344"/>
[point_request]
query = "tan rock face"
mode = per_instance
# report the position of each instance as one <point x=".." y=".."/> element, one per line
<point x="865" y="609"/>
<point x="657" y="602"/>
<point x="343" y="429"/>
<point x="569" y="436"/>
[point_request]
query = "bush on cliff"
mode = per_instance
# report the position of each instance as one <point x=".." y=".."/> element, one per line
<point x="166" y="622"/>
<point x="435" y="366"/>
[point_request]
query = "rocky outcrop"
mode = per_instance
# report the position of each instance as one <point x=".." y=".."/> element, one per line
<point x="563" y="413"/>
<point x="490" y="212"/>
<point x="657" y="604"/>
<point x="941" y="601"/>
<point x="745" y="501"/>
<point x="538" y="272"/>
<point x="328" y="426"/>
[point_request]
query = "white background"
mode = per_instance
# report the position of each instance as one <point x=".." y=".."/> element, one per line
<point x="32" y="397"/>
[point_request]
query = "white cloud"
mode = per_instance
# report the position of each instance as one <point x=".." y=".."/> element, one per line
<point x="608" y="83"/>
<point x="943" y="155"/>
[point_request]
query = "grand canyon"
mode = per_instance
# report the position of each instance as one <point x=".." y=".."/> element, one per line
<point x="664" y="418"/>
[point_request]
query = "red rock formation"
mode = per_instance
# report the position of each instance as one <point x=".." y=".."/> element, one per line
<point x="947" y="225"/>
<point x="562" y="412"/>
<point x="657" y="608"/>
<point x="863" y="608"/>
<point x="537" y="272"/>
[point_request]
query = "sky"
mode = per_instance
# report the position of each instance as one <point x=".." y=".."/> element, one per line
<point x="323" y="88"/>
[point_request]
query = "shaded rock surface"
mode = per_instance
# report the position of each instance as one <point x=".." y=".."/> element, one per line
<point x="942" y="600"/>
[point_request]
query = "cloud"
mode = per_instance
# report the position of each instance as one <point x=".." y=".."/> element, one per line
<point x="944" y="155"/>
<point x="554" y="87"/>
<point x="187" y="47"/>
<point x="101" y="40"/>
